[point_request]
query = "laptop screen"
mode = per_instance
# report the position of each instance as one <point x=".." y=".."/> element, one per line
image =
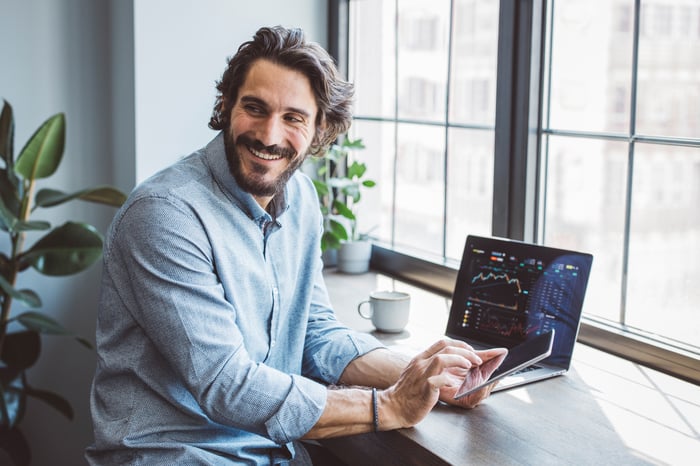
<point x="507" y="291"/>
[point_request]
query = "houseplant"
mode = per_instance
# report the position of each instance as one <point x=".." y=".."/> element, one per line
<point x="339" y="183"/>
<point x="64" y="250"/>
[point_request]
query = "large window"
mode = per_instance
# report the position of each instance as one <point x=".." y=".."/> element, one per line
<point x="583" y="133"/>
<point x="425" y="104"/>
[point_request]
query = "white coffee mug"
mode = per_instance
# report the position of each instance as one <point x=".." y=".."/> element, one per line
<point x="388" y="310"/>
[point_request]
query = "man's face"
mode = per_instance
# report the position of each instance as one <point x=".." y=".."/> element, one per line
<point x="271" y="128"/>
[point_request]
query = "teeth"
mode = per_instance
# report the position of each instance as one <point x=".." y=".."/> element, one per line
<point x="263" y="155"/>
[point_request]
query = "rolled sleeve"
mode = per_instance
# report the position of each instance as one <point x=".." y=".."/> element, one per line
<point x="339" y="350"/>
<point x="300" y="412"/>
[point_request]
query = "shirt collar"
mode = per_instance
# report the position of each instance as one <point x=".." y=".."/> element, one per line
<point x="215" y="156"/>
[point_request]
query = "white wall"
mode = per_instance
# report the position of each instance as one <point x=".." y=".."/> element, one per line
<point x="181" y="50"/>
<point x="136" y="81"/>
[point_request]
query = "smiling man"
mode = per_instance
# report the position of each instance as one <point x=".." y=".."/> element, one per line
<point x="217" y="343"/>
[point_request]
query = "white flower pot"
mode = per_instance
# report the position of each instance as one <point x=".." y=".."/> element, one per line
<point x="353" y="256"/>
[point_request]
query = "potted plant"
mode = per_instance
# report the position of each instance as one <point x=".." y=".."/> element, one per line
<point x="339" y="183"/>
<point x="64" y="250"/>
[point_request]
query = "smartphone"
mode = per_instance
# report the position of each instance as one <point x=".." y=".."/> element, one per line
<point x="525" y="354"/>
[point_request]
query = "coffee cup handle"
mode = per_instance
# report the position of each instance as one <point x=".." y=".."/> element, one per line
<point x="359" y="310"/>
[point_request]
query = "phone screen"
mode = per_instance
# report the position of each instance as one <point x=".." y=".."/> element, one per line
<point x="526" y="353"/>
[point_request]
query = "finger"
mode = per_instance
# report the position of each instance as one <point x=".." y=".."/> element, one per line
<point x="492" y="353"/>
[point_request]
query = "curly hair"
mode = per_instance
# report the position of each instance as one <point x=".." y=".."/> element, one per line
<point x="289" y="48"/>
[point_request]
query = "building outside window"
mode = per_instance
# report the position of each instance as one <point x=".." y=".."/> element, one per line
<point x="617" y="168"/>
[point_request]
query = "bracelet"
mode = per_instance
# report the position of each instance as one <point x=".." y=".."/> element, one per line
<point x="375" y="409"/>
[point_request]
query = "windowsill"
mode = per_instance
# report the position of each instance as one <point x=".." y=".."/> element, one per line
<point x="440" y="279"/>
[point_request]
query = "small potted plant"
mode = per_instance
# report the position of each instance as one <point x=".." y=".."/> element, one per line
<point x="64" y="250"/>
<point x="339" y="183"/>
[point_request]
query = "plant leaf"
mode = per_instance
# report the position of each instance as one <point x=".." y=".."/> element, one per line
<point x="8" y="220"/>
<point x="337" y="229"/>
<point x="21" y="349"/>
<point x="13" y="442"/>
<point x="7" y="134"/>
<point x="68" y="249"/>
<point x="356" y="169"/>
<point x="343" y="210"/>
<point x="53" y="399"/>
<point x="42" y="154"/>
<point x="101" y="195"/>
<point x="28" y="297"/>
<point x="41" y="323"/>
<point x="321" y="188"/>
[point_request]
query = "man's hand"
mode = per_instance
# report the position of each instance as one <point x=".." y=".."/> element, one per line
<point x="492" y="358"/>
<point x="434" y="374"/>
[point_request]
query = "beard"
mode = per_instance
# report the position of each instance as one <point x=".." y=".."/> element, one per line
<point x="255" y="182"/>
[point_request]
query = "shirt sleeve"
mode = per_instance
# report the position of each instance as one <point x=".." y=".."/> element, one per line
<point x="170" y="288"/>
<point x="330" y="346"/>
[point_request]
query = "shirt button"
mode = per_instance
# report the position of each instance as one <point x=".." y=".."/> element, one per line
<point x="273" y="343"/>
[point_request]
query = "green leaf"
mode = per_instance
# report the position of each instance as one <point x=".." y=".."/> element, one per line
<point x="28" y="297"/>
<point x="42" y="154"/>
<point x="7" y="134"/>
<point x="337" y="229"/>
<point x="13" y="442"/>
<point x="321" y="188"/>
<point x="41" y="323"/>
<point x="8" y="220"/>
<point x="101" y="195"/>
<point x="21" y="349"/>
<point x="369" y="183"/>
<point x="343" y="210"/>
<point x="68" y="249"/>
<point x="353" y="144"/>
<point x="328" y="241"/>
<point x="356" y="169"/>
<point x="46" y="325"/>
<point x="53" y="399"/>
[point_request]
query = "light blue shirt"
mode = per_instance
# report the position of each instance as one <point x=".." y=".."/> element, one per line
<point x="215" y="334"/>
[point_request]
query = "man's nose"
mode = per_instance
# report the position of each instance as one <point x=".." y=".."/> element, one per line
<point x="270" y="131"/>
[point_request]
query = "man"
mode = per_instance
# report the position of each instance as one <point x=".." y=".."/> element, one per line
<point x="216" y="338"/>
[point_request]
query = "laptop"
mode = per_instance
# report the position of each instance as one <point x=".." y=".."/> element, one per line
<point x="508" y="292"/>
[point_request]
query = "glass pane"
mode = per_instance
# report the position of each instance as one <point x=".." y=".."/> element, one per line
<point x="585" y="210"/>
<point x="474" y="62"/>
<point x="669" y="69"/>
<point x="375" y="213"/>
<point x="662" y="292"/>
<point x="591" y="65"/>
<point x="372" y="63"/>
<point x="469" y="187"/>
<point x="420" y="188"/>
<point x="422" y="59"/>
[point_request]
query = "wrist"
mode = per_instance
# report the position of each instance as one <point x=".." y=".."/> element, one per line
<point x="386" y="414"/>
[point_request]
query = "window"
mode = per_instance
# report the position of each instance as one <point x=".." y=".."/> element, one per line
<point x="425" y="76"/>
<point x="587" y="137"/>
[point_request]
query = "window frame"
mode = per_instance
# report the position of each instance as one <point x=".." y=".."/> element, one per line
<point x="518" y="135"/>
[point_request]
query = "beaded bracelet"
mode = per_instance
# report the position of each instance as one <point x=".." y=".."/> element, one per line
<point x="375" y="409"/>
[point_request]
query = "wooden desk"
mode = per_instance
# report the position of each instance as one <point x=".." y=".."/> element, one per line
<point x="605" y="410"/>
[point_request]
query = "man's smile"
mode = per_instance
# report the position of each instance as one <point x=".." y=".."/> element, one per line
<point x="264" y="155"/>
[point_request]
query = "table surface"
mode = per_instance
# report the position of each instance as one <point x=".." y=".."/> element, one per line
<point x="605" y="410"/>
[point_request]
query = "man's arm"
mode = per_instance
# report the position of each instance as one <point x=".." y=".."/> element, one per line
<point x="410" y="388"/>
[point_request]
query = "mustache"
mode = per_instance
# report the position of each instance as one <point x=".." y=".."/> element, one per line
<point x="273" y="149"/>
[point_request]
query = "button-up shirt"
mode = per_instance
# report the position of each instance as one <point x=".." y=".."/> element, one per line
<point x="215" y="334"/>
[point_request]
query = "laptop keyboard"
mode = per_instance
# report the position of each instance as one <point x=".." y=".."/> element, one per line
<point x="526" y="369"/>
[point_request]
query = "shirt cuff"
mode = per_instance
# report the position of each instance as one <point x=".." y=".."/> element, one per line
<point x="300" y="411"/>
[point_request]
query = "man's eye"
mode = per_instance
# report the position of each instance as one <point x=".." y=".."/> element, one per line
<point x="253" y="109"/>
<point x="295" y="119"/>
